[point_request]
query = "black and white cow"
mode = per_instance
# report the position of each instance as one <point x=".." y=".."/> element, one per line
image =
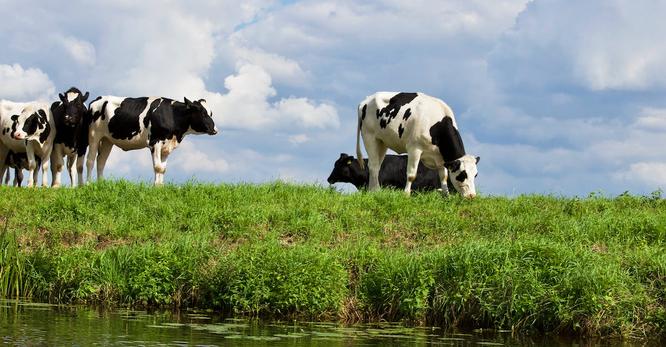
<point x="421" y="126"/>
<point x="133" y="123"/>
<point x="71" y="137"/>
<point x="393" y="173"/>
<point x="32" y="129"/>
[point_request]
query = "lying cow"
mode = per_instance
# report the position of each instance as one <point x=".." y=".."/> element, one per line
<point x="134" y="123"/>
<point x="392" y="174"/>
<point x="26" y="128"/>
<point x="71" y="137"/>
<point x="421" y="126"/>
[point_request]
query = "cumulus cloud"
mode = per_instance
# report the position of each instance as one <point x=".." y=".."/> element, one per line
<point x="81" y="51"/>
<point x="650" y="173"/>
<point x="247" y="104"/>
<point x="191" y="159"/>
<point x="19" y="84"/>
<point x="597" y="45"/>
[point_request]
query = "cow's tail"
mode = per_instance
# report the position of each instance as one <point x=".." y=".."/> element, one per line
<point x="359" y="154"/>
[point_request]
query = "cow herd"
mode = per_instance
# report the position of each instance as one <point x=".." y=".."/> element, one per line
<point x="36" y="135"/>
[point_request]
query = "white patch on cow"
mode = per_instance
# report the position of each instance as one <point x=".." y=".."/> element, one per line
<point x="71" y="96"/>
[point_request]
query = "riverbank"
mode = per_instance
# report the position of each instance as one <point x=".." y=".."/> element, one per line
<point x="592" y="266"/>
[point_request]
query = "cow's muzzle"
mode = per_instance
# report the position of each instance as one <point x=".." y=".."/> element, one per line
<point x="19" y="136"/>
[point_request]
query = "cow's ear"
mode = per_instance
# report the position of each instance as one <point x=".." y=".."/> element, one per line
<point x="202" y="100"/>
<point x="477" y="159"/>
<point x="188" y="103"/>
<point x="85" y="97"/>
<point x="62" y="97"/>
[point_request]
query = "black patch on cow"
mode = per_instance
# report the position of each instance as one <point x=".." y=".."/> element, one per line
<point x="452" y="166"/>
<point x="124" y="124"/>
<point x="365" y="107"/>
<point x="408" y="113"/>
<point x="44" y="123"/>
<point x="445" y="136"/>
<point x="393" y="108"/>
<point x="401" y="129"/>
<point x="462" y="176"/>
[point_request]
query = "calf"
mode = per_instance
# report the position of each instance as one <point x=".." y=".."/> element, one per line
<point x="133" y="123"/>
<point x="71" y="137"/>
<point x="39" y="114"/>
<point x="421" y="126"/>
<point x="18" y="162"/>
<point x="392" y="173"/>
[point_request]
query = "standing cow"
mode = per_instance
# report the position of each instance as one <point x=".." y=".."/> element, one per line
<point x="33" y="130"/>
<point x="421" y="126"/>
<point x="133" y="123"/>
<point x="71" y="135"/>
<point x="18" y="162"/>
<point x="393" y="174"/>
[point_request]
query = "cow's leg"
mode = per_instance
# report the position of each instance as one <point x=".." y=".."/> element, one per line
<point x="92" y="155"/>
<point x="45" y="167"/>
<point x="376" y="151"/>
<point x="80" y="161"/>
<point x="71" y="159"/>
<point x="105" y="147"/>
<point x="32" y="164"/>
<point x="7" y="178"/>
<point x="443" y="178"/>
<point x="165" y="156"/>
<point x="158" y="168"/>
<point x="413" y="159"/>
<point x="4" y="151"/>
<point x="18" y="177"/>
<point x="56" y="166"/>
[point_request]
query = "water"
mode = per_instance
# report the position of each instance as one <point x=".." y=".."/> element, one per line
<point x="34" y="324"/>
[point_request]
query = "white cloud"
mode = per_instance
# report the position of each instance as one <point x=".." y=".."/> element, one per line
<point x="598" y="45"/>
<point x="190" y="160"/>
<point x="81" y="51"/>
<point x="19" y="84"/>
<point x="298" y="139"/>
<point x="649" y="173"/>
<point x="247" y="105"/>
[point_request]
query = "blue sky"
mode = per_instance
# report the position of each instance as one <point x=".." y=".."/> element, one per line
<point x="556" y="97"/>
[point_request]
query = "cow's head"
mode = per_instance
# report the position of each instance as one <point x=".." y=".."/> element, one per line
<point x="201" y="118"/>
<point x="74" y="103"/>
<point x="347" y="170"/>
<point x="462" y="173"/>
<point x="31" y="124"/>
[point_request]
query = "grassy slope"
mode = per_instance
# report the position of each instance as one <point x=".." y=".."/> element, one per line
<point x="582" y="266"/>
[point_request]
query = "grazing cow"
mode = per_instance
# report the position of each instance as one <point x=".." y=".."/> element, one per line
<point x="421" y="126"/>
<point x="393" y="173"/>
<point x="25" y="128"/>
<point x="133" y="123"/>
<point x="71" y="137"/>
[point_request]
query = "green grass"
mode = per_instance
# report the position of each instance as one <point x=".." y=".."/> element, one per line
<point x="583" y="266"/>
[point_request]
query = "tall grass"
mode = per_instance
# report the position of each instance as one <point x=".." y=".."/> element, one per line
<point x="585" y="266"/>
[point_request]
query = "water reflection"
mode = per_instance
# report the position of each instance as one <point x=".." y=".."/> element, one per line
<point x="28" y="324"/>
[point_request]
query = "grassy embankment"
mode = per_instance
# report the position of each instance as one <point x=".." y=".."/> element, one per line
<point x="583" y="266"/>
